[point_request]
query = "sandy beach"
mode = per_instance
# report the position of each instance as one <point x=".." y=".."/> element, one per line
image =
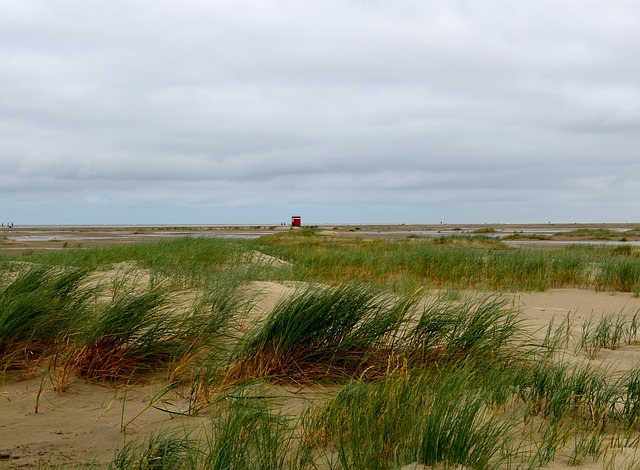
<point x="89" y="421"/>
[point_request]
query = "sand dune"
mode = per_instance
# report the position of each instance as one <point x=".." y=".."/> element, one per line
<point x="89" y="422"/>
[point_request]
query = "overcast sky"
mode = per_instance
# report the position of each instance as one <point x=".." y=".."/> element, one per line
<point x="342" y="111"/>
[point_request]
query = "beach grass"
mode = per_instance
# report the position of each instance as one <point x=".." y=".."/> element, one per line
<point x="323" y="332"/>
<point x="418" y="370"/>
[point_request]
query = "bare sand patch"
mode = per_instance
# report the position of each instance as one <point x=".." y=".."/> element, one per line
<point x="80" y="426"/>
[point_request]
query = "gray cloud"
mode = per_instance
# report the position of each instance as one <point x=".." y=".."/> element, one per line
<point x="245" y="111"/>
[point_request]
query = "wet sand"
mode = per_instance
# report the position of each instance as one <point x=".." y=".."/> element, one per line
<point x="57" y="237"/>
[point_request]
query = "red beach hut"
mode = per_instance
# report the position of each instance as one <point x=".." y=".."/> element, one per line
<point x="296" y="221"/>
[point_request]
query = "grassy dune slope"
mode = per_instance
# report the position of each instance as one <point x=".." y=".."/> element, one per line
<point x="422" y="356"/>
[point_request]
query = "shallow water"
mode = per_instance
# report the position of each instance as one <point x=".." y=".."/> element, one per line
<point x="38" y="236"/>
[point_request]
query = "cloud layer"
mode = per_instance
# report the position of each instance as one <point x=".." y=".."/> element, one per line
<point x="344" y="111"/>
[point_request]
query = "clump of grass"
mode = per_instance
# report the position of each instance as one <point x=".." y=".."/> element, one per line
<point x="444" y="418"/>
<point x="212" y="335"/>
<point x="460" y="428"/>
<point x="370" y="422"/>
<point x="244" y="435"/>
<point x="560" y="391"/>
<point x="619" y="273"/>
<point x="476" y="327"/>
<point x="322" y="332"/>
<point x="632" y="330"/>
<point x="37" y="308"/>
<point x="557" y="337"/>
<point x="249" y="436"/>
<point x="159" y="451"/>
<point x="610" y="332"/>
<point x="134" y="332"/>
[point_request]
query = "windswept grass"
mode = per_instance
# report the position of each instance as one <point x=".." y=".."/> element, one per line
<point x="322" y="332"/>
<point x="412" y="376"/>
<point x="475" y="328"/>
<point x="38" y="306"/>
<point x="246" y="435"/>
<point x="443" y="418"/>
<point x="134" y="332"/>
<point x="351" y="331"/>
